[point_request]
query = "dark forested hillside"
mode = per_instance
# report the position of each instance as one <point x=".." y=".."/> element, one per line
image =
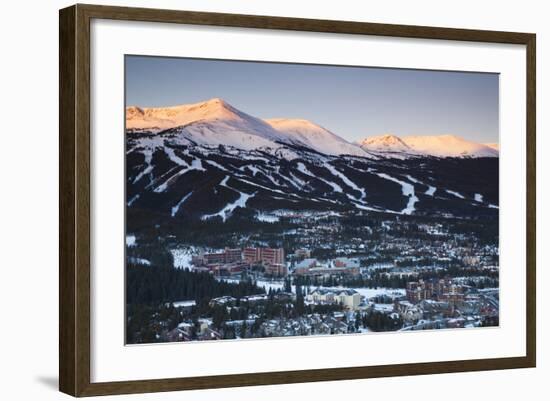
<point x="151" y="285"/>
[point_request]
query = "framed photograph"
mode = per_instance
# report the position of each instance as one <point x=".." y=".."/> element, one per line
<point x="250" y="200"/>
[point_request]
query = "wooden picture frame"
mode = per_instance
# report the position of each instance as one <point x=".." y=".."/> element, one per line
<point x="75" y="206"/>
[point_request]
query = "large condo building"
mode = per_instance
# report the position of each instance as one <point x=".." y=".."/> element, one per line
<point x="264" y="255"/>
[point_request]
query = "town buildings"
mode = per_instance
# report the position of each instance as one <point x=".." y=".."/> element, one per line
<point x="349" y="299"/>
<point x="336" y="267"/>
<point x="234" y="261"/>
<point x="443" y="290"/>
<point x="264" y="255"/>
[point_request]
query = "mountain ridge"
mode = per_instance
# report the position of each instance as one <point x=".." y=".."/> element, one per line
<point x="215" y="122"/>
<point x="445" y="145"/>
<point x="211" y="162"/>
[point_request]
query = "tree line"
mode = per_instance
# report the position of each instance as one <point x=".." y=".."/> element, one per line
<point x="150" y="285"/>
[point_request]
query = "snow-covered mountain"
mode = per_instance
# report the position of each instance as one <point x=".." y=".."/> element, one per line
<point x="448" y="146"/>
<point x="170" y="117"/>
<point x="495" y="146"/>
<point x="215" y="122"/>
<point x="437" y="146"/>
<point x="306" y="133"/>
<point x="385" y="144"/>
<point x="210" y="161"/>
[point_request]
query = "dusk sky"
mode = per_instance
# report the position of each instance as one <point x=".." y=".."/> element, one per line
<point x="353" y="102"/>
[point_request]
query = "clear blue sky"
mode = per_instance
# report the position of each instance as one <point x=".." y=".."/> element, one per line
<point x="353" y="102"/>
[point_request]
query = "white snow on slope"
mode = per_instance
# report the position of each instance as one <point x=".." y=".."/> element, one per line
<point x="454" y="193"/>
<point x="430" y="191"/>
<point x="195" y="165"/>
<point x="225" y="213"/>
<point x="303" y="169"/>
<point x="335" y="187"/>
<point x="215" y="109"/>
<point x="223" y="182"/>
<point x="412" y="179"/>
<point x="147" y="146"/>
<point x="217" y="165"/>
<point x="134" y="198"/>
<point x="385" y="143"/>
<point x="255" y="170"/>
<point x="215" y="122"/>
<point x="146" y="171"/>
<point x="428" y="145"/>
<point x="370" y="209"/>
<point x="244" y="135"/>
<point x="148" y="156"/>
<point x="268" y="175"/>
<point x="407" y="189"/>
<point x="171" y="153"/>
<point x="230" y="207"/>
<point x="301" y="183"/>
<point x="314" y="136"/>
<point x="346" y="180"/>
<point x="261" y="186"/>
<point x="289" y="180"/>
<point x="266" y="188"/>
<point x="176" y="208"/>
<point x="448" y="146"/>
<point x="478" y="198"/>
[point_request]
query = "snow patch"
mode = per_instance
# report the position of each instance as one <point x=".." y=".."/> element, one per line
<point x="346" y="180"/>
<point x="217" y="165"/>
<point x="130" y="240"/>
<point x="139" y="261"/>
<point x="134" y="198"/>
<point x="225" y="213"/>
<point x="407" y="190"/>
<point x="430" y="191"/>
<point x="182" y="257"/>
<point x="267" y="218"/>
<point x="195" y="165"/>
<point x="458" y="195"/>
<point x="176" y="208"/>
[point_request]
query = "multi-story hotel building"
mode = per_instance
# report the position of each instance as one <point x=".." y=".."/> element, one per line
<point x="264" y="255"/>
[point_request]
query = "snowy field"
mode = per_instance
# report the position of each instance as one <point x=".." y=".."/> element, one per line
<point x="182" y="257"/>
<point x="267" y="284"/>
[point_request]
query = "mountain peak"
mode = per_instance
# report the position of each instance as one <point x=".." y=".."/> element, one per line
<point x="384" y="143"/>
<point x="447" y="145"/>
<point x="294" y="124"/>
<point x="133" y="111"/>
<point x="173" y="116"/>
<point x="216" y="100"/>
<point x="314" y="136"/>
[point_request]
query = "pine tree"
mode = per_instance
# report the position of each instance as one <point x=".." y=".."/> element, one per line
<point x="243" y="329"/>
